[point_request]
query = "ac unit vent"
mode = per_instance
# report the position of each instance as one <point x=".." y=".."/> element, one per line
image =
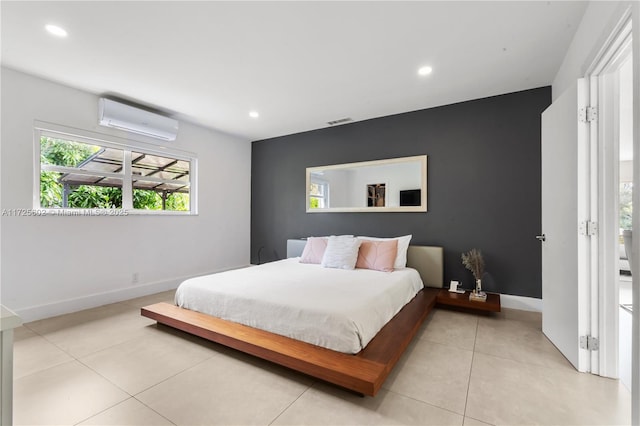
<point x="131" y="119"/>
<point x="339" y="121"/>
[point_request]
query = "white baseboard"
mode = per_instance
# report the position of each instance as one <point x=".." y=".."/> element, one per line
<point x="67" y="306"/>
<point x="521" y="302"/>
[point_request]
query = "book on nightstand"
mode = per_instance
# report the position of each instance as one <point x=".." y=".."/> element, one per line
<point x="478" y="297"/>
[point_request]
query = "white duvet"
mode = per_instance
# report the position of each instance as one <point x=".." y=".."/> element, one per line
<point x="334" y="308"/>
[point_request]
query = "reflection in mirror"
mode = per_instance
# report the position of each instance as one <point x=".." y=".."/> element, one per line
<point x="398" y="184"/>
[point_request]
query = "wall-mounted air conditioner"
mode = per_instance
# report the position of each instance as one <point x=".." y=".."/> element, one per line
<point x="135" y="120"/>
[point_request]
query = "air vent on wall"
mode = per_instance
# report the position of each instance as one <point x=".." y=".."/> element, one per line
<point x="121" y="116"/>
<point x="339" y="121"/>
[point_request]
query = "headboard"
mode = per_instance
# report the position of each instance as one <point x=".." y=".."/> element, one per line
<point x="295" y="247"/>
<point x="427" y="260"/>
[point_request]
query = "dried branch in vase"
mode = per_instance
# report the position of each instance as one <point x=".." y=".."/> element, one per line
<point x="474" y="262"/>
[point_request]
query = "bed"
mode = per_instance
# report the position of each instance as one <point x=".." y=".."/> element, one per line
<point x="360" y="359"/>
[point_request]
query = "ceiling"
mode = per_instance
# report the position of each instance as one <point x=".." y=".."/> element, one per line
<point x="299" y="64"/>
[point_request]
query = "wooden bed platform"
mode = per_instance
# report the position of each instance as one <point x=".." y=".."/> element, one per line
<point x="363" y="373"/>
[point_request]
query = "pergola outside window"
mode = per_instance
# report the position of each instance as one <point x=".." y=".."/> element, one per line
<point x="81" y="173"/>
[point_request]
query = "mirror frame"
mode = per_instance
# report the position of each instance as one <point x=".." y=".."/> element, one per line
<point x="401" y="209"/>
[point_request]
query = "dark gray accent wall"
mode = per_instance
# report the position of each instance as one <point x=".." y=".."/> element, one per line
<point x="483" y="185"/>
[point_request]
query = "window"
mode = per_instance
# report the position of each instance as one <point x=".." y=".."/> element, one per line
<point x="160" y="183"/>
<point x="78" y="172"/>
<point x="318" y="194"/>
<point x="79" y="175"/>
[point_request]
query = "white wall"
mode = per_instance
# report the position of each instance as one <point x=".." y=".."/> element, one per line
<point x="597" y="23"/>
<point x="52" y="265"/>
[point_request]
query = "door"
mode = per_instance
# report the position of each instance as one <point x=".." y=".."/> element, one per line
<point x="565" y="251"/>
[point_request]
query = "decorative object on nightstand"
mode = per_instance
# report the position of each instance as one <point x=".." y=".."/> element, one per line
<point x="474" y="262"/>
<point x="454" y="287"/>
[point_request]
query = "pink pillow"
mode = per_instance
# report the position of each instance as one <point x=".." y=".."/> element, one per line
<point x="314" y="250"/>
<point x="377" y="255"/>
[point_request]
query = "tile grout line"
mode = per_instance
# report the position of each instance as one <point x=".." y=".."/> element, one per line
<point x="173" y="375"/>
<point x="102" y="411"/>
<point x="292" y="402"/>
<point x="134" y="396"/>
<point x="473" y="355"/>
<point x="424" y="402"/>
<point x="167" y="419"/>
<point x="74" y="357"/>
<point x="555" y="367"/>
<point x="44" y="369"/>
<point x="78" y="360"/>
<point x="68" y="352"/>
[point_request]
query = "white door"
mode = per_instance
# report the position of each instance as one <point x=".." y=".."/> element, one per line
<point x="565" y="190"/>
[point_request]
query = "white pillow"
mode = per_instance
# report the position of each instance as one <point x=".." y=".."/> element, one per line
<point x="341" y="252"/>
<point x="403" y="246"/>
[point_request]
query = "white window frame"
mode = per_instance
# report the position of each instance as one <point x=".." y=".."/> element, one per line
<point x="324" y="184"/>
<point x="127" y="146"/>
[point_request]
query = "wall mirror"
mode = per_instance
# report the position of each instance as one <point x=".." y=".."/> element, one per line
<point x="392" y="185"/>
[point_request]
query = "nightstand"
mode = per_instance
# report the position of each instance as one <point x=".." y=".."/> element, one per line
<point x="461" y="301"/>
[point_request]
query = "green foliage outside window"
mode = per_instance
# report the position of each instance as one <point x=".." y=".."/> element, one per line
<point x="65" y="153"/>
<point x="60" y="152"/>
<point x="177" y="201"/>
<point x="152" y="200"/>
<point x="50" y="190"/>
<point x="95" y="197"/>
<point x="146" y="200"/>
<point x="626" y="206"/>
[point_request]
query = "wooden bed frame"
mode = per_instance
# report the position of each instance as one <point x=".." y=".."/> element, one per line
<point x="363" y="373"/>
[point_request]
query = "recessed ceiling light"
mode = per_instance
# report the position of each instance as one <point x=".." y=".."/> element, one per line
<point x="426" y="70"/>
<point x="56" y="30"/>
<point x="254" y="114"/>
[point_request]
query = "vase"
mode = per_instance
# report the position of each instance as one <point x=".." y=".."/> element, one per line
<point x="478" y="291"/>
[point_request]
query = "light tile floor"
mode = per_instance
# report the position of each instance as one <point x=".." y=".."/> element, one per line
<point x="110" y="366"/>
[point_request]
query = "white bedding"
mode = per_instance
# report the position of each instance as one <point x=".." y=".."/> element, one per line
<point x="334" y="308"/>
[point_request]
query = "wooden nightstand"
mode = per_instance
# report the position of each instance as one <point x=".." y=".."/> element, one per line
<point x="461" y="301"/>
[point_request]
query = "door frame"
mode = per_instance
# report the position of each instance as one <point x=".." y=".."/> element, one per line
<point x="603" y="208"/>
